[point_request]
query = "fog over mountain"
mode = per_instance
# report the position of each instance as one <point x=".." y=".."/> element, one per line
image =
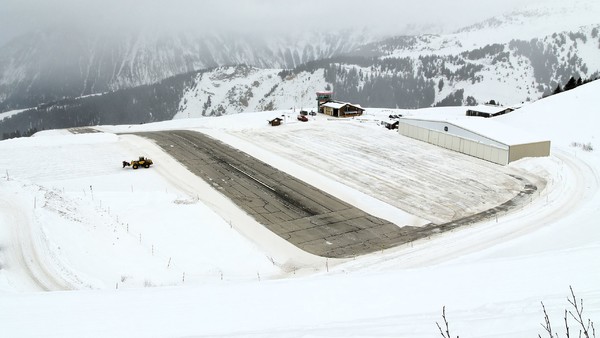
<point x="253" y="17"/>
<point x="77" y="63"/>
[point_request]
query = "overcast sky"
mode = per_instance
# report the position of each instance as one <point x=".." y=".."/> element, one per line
<point x="261" y="16"/>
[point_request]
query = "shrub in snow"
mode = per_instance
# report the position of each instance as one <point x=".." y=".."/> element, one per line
<point x="585" y="146"/>
<point x="585" y="326"/>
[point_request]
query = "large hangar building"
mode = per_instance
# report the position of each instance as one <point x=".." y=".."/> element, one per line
<point x="482" y="138"/>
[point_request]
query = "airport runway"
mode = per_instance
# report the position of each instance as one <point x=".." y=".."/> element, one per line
<point x="296" y="211"/>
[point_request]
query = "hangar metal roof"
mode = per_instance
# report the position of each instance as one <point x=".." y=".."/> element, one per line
<point x="487" y="128"/>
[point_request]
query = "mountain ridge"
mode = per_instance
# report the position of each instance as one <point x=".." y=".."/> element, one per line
<point x="35" y="71"/>
<point x="461" y="68"/>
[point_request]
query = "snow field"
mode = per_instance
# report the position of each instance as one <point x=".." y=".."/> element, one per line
<point x="104" y="225"/>
<point x="490" y="276"/>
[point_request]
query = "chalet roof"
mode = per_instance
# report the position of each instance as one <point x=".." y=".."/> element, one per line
<point x="334" y="105"/>
<point x="338" y="105"/>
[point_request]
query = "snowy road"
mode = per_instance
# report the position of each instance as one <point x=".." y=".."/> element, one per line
<point x="25" y="251"/>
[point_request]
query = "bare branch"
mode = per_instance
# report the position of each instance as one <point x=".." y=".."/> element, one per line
<point x="441" y="331"/>
<point x="567" y="324"/>
<point x="578" y="315"/>
<point x="546" y="325"/>
<point x="447" y="333"/>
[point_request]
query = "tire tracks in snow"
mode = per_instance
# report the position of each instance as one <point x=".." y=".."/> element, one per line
<point x="24" y="256"/>
<point x="566" y="200"/>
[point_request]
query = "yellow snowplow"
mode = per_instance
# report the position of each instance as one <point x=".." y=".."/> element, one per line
<point x="140" y="162"/>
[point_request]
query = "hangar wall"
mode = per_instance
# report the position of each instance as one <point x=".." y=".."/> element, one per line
<point x="441" y="126"/>
<point x="489" y="152"/>
<point x="537" y="149"/>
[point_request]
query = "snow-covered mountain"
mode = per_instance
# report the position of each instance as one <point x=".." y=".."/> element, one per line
<point x="230" y="90"/>
<point x="45" y="66"/>
<point x="49" y="65"/>
<point x="510" y="73"/>
<point x="510" y="59"/>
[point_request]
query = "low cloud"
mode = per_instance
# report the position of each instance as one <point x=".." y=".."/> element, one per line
<point x="247" y="16"/>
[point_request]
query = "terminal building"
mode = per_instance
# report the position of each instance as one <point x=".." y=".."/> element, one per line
<point x="328" y="106"/>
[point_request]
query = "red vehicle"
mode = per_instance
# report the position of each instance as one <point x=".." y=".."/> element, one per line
<point x="302" y="118"/>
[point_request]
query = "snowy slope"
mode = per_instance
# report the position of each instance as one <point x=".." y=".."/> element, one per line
<point x="571" y="108"/>
<point x="63" y="225"/>
<point x="531" y="21"/>
<point x="231" y="90"/>
<point x="33" y="70"/>
<point x="507" y="72"/>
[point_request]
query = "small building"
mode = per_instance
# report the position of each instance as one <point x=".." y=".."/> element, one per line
<point x="488" y="111"/>
<point x="275" y="122"/>
<point x="482" y="138"/>
<point x="391" y="125"/>
<point x="323" y="97"/>
<point x="341" y="109"/>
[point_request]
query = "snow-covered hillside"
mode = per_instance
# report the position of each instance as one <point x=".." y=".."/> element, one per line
<point x="511" y="73"/>
<point x="159" y="252"/>
<point x="531" y="21"/>
<point x="34" y="70"/>
<point x="231" y="90"/>
<point x="512" y="59"/>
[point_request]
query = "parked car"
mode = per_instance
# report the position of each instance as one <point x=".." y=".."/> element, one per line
<point x="303" y="112"/>
<point x="312" y="113"/>
<point x="302" y="118"/>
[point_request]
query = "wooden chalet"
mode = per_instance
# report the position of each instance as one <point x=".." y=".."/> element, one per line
<point x="275" y="122"/>
<point x="341" y="109"/>
<point x="488" y="111"/>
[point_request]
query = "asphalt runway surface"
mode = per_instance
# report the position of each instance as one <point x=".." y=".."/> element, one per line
<point x="309" y="218"/>
<point x="305" y="216"/>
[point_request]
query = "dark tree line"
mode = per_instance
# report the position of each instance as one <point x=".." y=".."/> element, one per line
<point x="143" y="104"/>
<point x="572" y="83"/>
<point x="483" y="52"/>
<point x="409" y="82"/>
<point x="550" y="71"/>
<point x="456" y="99"/>
<point x="392" y="82"/>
